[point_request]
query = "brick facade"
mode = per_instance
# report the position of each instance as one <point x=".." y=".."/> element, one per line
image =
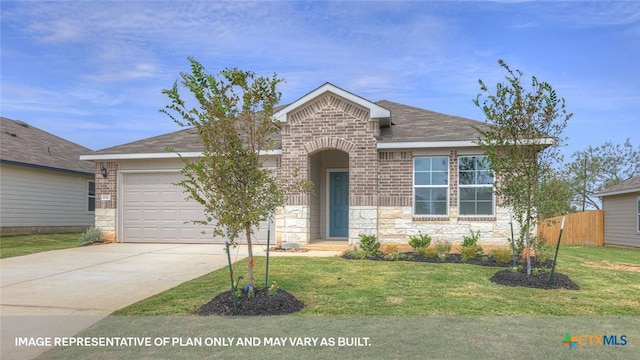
<point x="395" y="178"/>
<point x="106" y="209"/>
<point x="330" y="122"/>
<point x="330" y="130"/>
<point x="380" y="182"/>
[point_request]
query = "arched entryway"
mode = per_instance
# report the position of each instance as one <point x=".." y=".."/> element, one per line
<point x="329" y="205"/>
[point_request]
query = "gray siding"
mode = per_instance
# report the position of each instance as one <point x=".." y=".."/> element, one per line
<point x="41" y="198"/>
<point x="621" y="220"/>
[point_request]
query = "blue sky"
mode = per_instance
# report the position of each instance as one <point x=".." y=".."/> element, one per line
<point x="92" y="71"/>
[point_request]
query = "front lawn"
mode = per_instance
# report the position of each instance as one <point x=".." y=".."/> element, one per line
<point x="18" y="245"/>
<point x="608" y="280"/>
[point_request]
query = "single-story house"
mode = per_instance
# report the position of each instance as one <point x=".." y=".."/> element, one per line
<point x="378" y="167"/>
<point x="44" y="187"/>
<point x="621" y="205"/>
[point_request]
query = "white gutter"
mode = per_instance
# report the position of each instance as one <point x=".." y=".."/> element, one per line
<point x="163" y="155"/>
<point x="426" y="144"/>
<point x="450" y="144"/>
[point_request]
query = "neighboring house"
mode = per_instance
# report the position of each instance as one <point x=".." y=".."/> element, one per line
<point x="44" y="187"/>
<point x="379" y="168"/>
<point x="621" y="205"/>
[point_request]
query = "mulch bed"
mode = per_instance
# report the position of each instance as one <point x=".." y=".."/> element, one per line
<point x="451" y="259"/>
<point x="262" y="303"/>
<point x="538" y="281"/>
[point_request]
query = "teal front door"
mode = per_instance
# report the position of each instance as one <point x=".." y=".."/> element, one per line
<point x="339" y="204"/>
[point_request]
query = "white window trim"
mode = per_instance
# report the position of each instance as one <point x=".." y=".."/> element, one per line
<point x="414" y="186"/>
<point x="460" y="186"/>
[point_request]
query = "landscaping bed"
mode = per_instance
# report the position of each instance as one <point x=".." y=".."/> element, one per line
<point x="449" y="259"/>
<point x="261" y="303"/>
<point x="512" y="276"/>
<point x="538" y="280"/>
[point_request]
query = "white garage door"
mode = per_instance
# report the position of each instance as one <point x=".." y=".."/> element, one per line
<point x="155" y="210"/>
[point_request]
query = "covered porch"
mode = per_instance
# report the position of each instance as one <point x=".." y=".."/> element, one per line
<point x="329" y="204"/>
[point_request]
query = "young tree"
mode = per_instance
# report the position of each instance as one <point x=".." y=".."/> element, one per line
<point x="600" y="167"/>
<point x="233" y="115"/>
<point x="556" y="189"/>
<point x="521" y="142"/>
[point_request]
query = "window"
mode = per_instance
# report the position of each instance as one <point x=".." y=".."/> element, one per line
<point x="430" y="185"/>
<point x="92" y="196"/>
<point x="638" y="214"/>
<point x="475" y="182"/>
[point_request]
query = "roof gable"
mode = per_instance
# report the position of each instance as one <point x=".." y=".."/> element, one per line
<point x="375" y="111"/>
<point x="26" y="145"/>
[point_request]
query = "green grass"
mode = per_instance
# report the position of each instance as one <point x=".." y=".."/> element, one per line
<point x="608" y="280"/>
<point x="18" y="245"/>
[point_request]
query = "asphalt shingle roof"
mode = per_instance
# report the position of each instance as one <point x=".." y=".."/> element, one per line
<point x="415" y="124"/>
<point x="26" y="145"/>
<point x="409" y="124"/>
<point x="186" y="140"/>
<point x="631" y="185"/>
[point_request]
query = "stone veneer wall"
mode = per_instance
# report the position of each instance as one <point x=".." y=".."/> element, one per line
<point x="106" y="218"/>
<point x="397" y="223"/>
<point x="292" y="224"/>
<point x="330" y="122"/>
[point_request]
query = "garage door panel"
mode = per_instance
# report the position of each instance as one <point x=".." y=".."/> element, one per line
<point x="156" y="210"/>
<point x="132" y="214"/>
<point x="133" y="198"/>
<point x="186" y="215"/>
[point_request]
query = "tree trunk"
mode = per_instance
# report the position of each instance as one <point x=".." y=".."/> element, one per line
<point x="250" y="251"/>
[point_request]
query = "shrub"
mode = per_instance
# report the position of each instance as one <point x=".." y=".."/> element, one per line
<point x="92" y="235"/>
<point x="471" y="240"/>
<point x="419" y="242"/>
<point x="273" y="289"/>
<point x="443" y="248"/>
<point x="470" y="248"/>
<point x="469" y="252"/>
<point x="356" y="254"/>
<point x="501" y="255"/>
<point x="391" y="252"/>
<point x="543" y="250"/>
<point x="369" y="244"/>
<point x="429" y="252"/>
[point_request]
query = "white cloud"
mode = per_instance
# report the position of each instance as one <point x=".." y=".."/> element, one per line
<point x="109" y="60"/>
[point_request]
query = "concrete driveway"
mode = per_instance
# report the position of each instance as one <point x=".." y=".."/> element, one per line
<point x="59" y="293"/>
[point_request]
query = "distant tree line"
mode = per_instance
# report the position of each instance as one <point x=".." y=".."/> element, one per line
<point x="573" y="184"/>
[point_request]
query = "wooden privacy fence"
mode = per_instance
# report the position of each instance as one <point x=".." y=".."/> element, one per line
<point x="585" y="228"/>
